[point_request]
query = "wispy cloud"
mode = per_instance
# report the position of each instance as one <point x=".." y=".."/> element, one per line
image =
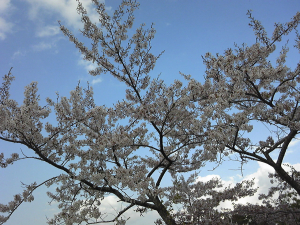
<point x="4" y="4"/>
<point x="5" y="26"/>
<point x="65" y="9"/>
<point x="88" y="65"/>
<point x="294" y="142"/>
<point x="96" y="81"/>
<point x="43" y="46"/>
<point x="48" y="31"/>
<point x="293" y="146"/>
<point x="18" y="54"/>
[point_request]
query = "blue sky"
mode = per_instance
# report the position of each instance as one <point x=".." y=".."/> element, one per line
<point x="31" y="43"/>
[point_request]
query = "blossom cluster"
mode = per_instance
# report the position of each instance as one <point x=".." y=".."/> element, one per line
<point x="157" y="130"/>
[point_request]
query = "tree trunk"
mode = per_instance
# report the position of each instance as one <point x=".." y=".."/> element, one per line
<point x="163" y="212"/>
<point x="286" y="177"/>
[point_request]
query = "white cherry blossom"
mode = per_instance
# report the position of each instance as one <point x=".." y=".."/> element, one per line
<point x="101" y="150"/>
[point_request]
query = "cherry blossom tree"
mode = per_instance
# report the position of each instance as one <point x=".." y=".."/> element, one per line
<point x="244" y="89"/>
<point x="157" y="130"/>
<point x="125" y="150"/>
<point x="280" y="206"/>
<point x="246" y="81"/>
<point x="249" y="90"/>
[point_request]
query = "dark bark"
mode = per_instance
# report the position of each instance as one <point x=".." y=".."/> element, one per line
<point x="287" y="178"/>
<point x="163" y="212"/>
<point x="267" y="159"/>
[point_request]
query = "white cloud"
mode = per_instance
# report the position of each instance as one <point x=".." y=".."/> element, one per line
<point x="88" y="65"/>
<point x="207" y="178"/>
<point x="66" y="10"/>
<point x="42" y="46"/>
<point x="293" y="146"/>
<point x="17" y="54"/>
<point x="95" y="81"/>
<point x="261" y="180"/>
<point x="111" y="207"/>
<point x="5" y="26"/>
<point x="294" y="142"/>
<point x="48" y="31"/>
<point x="261" y="176"/>
<point x="4" y="4"/>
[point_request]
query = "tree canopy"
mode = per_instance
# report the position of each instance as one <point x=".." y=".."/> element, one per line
<point x="159" y="131"/>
